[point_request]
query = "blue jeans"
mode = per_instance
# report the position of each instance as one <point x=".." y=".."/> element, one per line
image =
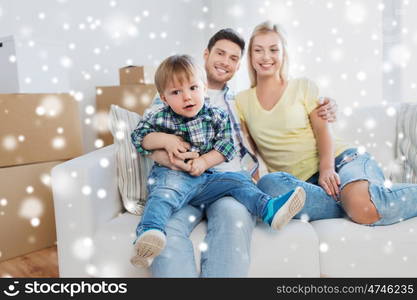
<point x="171" y="190"/>
<point x="393" y="204"/>
<point x="228" y="239"/>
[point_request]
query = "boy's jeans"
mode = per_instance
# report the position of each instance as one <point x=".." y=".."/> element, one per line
<point x="393" y="204"/>
<point x="170" y="190"/>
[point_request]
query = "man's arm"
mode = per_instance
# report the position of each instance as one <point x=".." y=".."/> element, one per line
<point x="174" y="145"/>
<point x="161" y="140"/>
<point x="162" y="158"/>
<point x="154" y="140"/>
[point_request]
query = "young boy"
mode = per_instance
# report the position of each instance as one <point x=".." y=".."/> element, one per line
<point x="206" y="130"/>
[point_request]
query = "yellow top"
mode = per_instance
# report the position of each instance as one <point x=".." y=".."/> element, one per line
<point x="284" y="135"/>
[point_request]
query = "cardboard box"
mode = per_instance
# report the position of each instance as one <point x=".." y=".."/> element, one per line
<point x="38" y="128"/>
<point x="136" y="75"/>
<point x="33" y="66"/>
<point x="27" y="220"/>
<point x="135" y="98"/>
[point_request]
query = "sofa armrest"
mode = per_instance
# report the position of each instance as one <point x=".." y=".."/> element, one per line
<point x="86" y="196"/>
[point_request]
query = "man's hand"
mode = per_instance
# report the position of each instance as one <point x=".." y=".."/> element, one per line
<point x="175" y="145"/>
<point x="327" y="109"/>
<point x="162" y="158"/>
<point x="198" y="166"/>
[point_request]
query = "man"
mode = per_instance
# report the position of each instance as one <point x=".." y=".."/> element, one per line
<point x="226" y="250"/>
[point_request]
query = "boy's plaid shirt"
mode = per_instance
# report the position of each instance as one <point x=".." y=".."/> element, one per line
<point x="209" y="130"/>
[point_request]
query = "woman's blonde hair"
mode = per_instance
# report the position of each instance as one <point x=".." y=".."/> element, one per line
<point x="263" y="28"/>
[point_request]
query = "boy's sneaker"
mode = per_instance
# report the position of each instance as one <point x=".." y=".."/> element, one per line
<point x="280" y="210"/>
<point x="148" y="245"/>
<point x="141" y="262"/>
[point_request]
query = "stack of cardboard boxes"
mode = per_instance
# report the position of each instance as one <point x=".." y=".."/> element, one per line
<point x="37" y="132"/>
<point x="135" y="93"/>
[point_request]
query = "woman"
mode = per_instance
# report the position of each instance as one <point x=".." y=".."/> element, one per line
<point x="299" y="150"/>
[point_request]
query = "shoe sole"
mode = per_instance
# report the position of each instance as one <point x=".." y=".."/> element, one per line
<point x="294" y="204"/>
<point x="147" y="247"/>
<point x="140" y="261"/>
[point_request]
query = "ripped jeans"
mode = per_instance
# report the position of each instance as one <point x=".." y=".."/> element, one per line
<point x="394" y="204"/>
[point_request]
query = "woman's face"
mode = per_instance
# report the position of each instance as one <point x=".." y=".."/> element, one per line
<point x="267" y="54"/>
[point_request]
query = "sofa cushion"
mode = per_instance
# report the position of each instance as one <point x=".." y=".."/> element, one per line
<point x="291" y="252"/>
<point x="132" y="168"/>
<point x="348" y="249"/>
<point x="407" y="142"/>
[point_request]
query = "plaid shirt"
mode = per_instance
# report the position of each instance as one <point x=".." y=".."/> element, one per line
<point x="209" y="129"/>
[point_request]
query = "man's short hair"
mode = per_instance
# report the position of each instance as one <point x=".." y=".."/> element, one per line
<point x="177" y="68"/>
<point x="227" y="34"/>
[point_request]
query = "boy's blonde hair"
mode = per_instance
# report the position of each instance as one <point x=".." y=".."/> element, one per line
<point x="177" y="68"/>
<point x="263" y="28"/>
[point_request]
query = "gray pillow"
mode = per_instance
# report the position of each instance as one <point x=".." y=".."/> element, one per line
<point x="407" y="141"/>
<point x="132" y="168"/>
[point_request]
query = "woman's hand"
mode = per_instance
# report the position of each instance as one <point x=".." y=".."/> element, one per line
<point x="329" y="180"/>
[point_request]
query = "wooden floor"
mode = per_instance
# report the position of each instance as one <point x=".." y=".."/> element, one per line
<point x="42" y="263"/>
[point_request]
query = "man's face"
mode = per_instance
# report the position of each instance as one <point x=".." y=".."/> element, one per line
<point x="222" y="61"/>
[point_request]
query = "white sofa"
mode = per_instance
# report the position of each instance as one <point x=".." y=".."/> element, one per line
<point x="95" y="233"/>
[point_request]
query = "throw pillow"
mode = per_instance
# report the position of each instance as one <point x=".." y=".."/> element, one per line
<point x="132" y="168"/>
<point x="407" y="142"/>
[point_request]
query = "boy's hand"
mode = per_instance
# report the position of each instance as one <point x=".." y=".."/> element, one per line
<point x="175" y="145"/>
<point x="161" y="157"/>
<point x="329" y="180"/>
<point x="327" y="109"/>
<point x="198" y="166"/>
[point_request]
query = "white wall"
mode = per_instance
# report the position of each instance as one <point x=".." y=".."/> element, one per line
<point x="337" y="45"/>
<point x="406" y="53"/>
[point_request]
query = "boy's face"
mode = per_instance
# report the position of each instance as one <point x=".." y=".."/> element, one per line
<point x="222" y="61"/>
<point x="185" y="99"/>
